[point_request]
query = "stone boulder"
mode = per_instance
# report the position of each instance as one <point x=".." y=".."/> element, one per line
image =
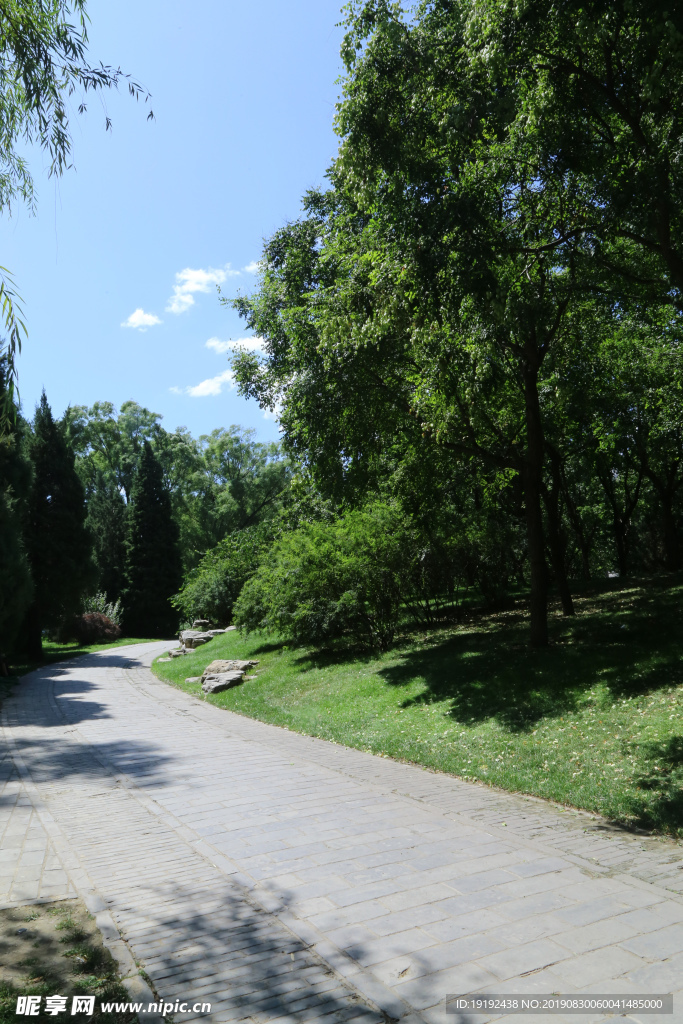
<point x="201" y="624"/>
<point x="218" y="681"/>
<point x="219" y="666"/>
<point x="192" y="638"/>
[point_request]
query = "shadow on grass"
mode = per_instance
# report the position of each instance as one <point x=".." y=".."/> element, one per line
<point x="269" y="647"/>
<point x="658" y="800"/>
<point x="630" y="644"/>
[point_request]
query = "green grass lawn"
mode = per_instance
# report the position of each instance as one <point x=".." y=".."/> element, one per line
<point x="595" y="721"/>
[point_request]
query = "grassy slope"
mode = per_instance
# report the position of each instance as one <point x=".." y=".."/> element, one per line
<point x="595" y="721"/>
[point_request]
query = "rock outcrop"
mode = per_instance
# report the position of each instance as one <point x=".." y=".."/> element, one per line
<point x="222" y="675"/>
<point x="222" y="681"/>
<point x="193" y="638"/>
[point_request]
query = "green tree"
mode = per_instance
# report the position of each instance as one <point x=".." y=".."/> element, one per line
<point x="108" y="444"/>
<point x="344" y="580"/>
<point x="431" y="284"/>
<point x="15" y="483"/>
<point x="211" y="588"/>
<point x="57" y="541"/>
<point x="106" y="521"/>
<point x="599" y="85"/>
<point x="153" y="568"/>
<point x="218" y="483"/>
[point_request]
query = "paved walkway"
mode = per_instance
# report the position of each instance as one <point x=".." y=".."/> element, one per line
<point x="284" y="878"/>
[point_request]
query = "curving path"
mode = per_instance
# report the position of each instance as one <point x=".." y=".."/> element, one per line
<point x="283" y="878"/>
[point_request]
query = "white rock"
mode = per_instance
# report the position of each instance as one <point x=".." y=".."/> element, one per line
<point x="221" y="681"/>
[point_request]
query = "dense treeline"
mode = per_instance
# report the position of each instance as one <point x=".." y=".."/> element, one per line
<point x="102" y="512"/>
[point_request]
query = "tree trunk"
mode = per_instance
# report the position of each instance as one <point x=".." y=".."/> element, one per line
<point x="574" y="518"/>
<point x="33" y="635"/>
<point x="621" y="519"/>
<point x="672" y="547"/>
<point x="532" y="478"/>
<point x="552" y="505"/>
<point x="666" y="485"/>
<point x="557" y="556"/>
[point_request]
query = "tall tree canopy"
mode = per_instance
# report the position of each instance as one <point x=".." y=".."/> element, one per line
<point x="445" y="284"/>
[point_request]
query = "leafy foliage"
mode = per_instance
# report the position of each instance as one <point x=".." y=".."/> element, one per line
<point x="90" y="628"/>
<point x="212" y="587"/>
<point x="345" y="580"/>
<point x="99" y="603"/>
<point x="458" y="288"/>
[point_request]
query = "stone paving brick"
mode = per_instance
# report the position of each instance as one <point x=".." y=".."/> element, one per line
<point x="452" y="927"/>
<point x="611" y="961"/>
<point x="461" y="951"/>
<point x="664" y="976"/>
<point x="519" y="960"/>
<point x="390" y="924"/>
<point x="527" y="929"/>
<point x="390" y="946"/>
<point x="432" y="989"/>
<point x="650" y="919"/>
<point x="594" y="936"/>
<point x="416" y="897"/>
<point x="592" y="910"/>
<point x="657" y="945"/>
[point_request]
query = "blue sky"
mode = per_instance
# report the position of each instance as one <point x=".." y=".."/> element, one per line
<point x="154" y="214"/>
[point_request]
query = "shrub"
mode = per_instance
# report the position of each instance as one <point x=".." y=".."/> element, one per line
<point x="99" y="603"/>
<point x="325" y="582"/>
<point x="212" y="587"/>
<point x="91" y="628"/>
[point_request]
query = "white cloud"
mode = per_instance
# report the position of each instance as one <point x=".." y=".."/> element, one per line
<point x="221" y="347"/>
<point x="252" y="268"/>
<point x="189" y="281"/>
<point x="211" y="386"/>
<point x="141" y="320"/>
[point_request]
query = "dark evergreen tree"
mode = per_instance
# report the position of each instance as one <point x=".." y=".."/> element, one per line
<point x="57" y="541"/>
<point x="15" y="482"/>
<point x="153" y="568"/>
<point x="107" y="524"/>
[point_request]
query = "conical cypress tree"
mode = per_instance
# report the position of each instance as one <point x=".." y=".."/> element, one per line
<point x="153" y="568"/>
<point x="57" y="541"/>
